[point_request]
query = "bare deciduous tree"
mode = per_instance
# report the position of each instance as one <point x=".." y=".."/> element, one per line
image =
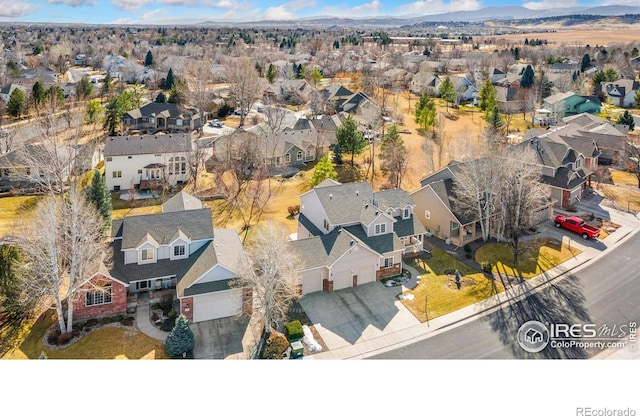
<point x="63" y="246"/>
<point x="520" y="195"/>
<point x="272" y="273"/>
<point x="244" y="84"/>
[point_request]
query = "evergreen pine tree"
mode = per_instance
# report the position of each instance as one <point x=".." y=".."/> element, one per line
<point x="170" y="81"/>
<point x="180" y="341"/>
<point x="100" y="196"/>
<point x="337" y="154"/>
<point x="324" y="170"/>
<point x="528" y="77"/>
<point x="271" y="73"/>
<point x="627" y="119"/>
<point x="148" y="60"/>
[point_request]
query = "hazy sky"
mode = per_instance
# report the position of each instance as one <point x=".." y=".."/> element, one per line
<point x="168" y="11"/>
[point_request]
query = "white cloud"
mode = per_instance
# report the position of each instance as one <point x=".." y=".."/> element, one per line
<point x="130" y="4"/>
<point x="549" y="4"/>
<point x="366" y="9"/>
<point x="287" y="11"/>
<point x="15" y="9"/>
<point x="438" y="6"/>
<point x="73" y="3"/>
<point x="178" y="2"/>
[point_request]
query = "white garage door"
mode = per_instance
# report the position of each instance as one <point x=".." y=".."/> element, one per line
<point x="342" y="280"/>
<point x="366" y="274"/>
<point x="217" y="305"/>
<point x="312" y="283"/>
<point x="540" y="216"/>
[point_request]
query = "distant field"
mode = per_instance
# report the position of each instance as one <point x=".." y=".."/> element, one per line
<point x="598" y="34"/>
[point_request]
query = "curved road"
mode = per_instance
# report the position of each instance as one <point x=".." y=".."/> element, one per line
<point x="604" y="292"/>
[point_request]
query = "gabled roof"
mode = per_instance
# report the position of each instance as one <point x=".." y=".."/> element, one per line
<point x="343" y="202"/>
<point x="195" y="224"/>
<point x="147" y="144"/>
<point x="181" y="201"/>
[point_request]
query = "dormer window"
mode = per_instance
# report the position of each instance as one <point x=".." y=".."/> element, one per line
<point x="381" y="228"/>
<point x="406" y="213"/>
<point x="147" y="254"/>
<point x="179" y="251"/>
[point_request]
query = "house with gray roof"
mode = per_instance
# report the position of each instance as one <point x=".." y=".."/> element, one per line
<point x="621" y="92"/>
<point x="174" y="253"/>
<point x="165" y="117"/>
<point x="349" y="235"/>
<point x="147" y="162"/>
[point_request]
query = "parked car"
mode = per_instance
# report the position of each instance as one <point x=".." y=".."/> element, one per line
<point x="215" y="123"/>
<point x="577" y="225"/>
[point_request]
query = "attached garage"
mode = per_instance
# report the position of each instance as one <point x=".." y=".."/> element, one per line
<point x="217" y="305"/>
<point x="540" y="215"/>
<point x="342" y="279"/>
<point x="366" y="274"/>
<point x="312" y="281"/>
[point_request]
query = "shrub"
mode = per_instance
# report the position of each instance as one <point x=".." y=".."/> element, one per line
<point x="486" y="266"/>
<point x="65" y="338"/>
<point x="468" y="255"/>
<point x="168" y="324"/>
<point x="52" y="337"/>
<point x="467" y="248"/>
<point x="118" y="318"/>
<point x="128" y="321"/>
<point x="91" y="323"/>
<point x="294" y="210"/>
<point x="172" y="313"/>
<point x="276" y="346"/>
<point x="294" y="330"/>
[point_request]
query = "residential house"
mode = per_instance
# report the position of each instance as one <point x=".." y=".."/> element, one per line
<point x="349" y="235"/>
<point x="566" y="161"/>
<point x="496" y="75"/>
<point x="396" y="78"/>
<point x="436" y="210"/>
<point x="622" y="92"/>
<point x="177" y="252"/>
<point x="569" y="103"/>
<point x="26" y="168"/>
<point x="610" y="138"/>
<point x="289" y="90"/>
<point x="425" y="82"/>
<point x="465" y="90"/>
<point x="509" y="99"/>
<point x="147" y="162"/>
<point x="166" y="117"/>
<point x="6" y="90"/>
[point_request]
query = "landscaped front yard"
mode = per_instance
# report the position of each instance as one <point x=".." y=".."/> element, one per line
<point x="439" y="292"/>
<point x="102" y="343"/>
<point x="540" y="255"/>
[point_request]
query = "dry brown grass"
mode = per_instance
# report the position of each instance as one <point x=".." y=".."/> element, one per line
<point x="620" y="177"/>
<point x="624" y="198"/>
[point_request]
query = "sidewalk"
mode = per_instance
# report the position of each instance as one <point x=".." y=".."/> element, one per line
<point x="629" y="226"/>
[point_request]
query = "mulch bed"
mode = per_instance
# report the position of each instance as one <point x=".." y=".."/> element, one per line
<point x="296" y="311"/>
<point x="86" y="327"/>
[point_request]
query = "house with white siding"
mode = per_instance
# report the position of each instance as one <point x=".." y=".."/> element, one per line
<point x="147" y="162"/>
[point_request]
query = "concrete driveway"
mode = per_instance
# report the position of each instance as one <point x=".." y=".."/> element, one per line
<point x="220" y="338"/>
<point x="361" y="314"/>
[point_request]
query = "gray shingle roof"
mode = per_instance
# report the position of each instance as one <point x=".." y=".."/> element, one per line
<point x="408" y="227"/>
<point x="181" y="201"/>
<point x="195" y="224"/>
<point x="343" y="202"/>
<point x="148" y="144"/>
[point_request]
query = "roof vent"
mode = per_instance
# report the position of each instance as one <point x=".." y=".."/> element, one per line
<point x="357" y="193"/>
<point x="351" y="242"/>
<point x="366" y="206"/>
<point x="330" y="196"/>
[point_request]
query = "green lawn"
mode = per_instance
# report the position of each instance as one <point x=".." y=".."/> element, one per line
<point x="440" y="290"/>
<point x="103" y="343"/>
<point x="11" y="208"/>
<point x="540" y="255"/>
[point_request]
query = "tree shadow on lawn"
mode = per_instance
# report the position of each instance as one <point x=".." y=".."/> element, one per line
<point x="561" y="302"/>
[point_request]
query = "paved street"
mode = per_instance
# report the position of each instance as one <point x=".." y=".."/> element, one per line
<point x="604" y="292"/>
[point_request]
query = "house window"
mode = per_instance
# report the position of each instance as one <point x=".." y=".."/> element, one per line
<point x="454" y="225"/>
<point x="309" y="153"/>
<point x="388" y="262"/>
<point x="177" y="165"/>
<point x="287" y="158"/>
<point x="142" y="285"/>
<point x="99" y="296"/>
<point x="381" y="228"/>
<point x="178" y="251"/>
<point x="152" y="120"/>
<point x="278" y="160"/>
<point x="147" y="254"/>
<point x="299" y="156"/>
<point x="117" y="174"/>
<point x="109" y="159"/>
<point x="178" y="122"/>
<point x="427" y="214"/>
<point x="405" y="213"/>
<point x="140" y="171"/>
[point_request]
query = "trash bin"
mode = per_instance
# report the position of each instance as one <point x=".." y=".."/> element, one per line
<point x="297" y="349"/>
